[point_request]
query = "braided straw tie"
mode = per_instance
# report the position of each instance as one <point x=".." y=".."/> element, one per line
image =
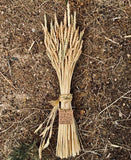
<point x="65" y="98"/>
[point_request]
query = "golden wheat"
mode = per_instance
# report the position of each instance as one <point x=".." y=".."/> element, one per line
<point x="63" y="44"/>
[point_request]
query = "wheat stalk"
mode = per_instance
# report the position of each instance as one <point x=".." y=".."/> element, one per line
<point x="63" y="44"/>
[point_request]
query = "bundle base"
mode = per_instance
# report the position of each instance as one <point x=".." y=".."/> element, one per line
<point x="67" y="142"/>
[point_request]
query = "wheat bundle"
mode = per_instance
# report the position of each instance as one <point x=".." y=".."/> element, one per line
<point x="63" y="43"/>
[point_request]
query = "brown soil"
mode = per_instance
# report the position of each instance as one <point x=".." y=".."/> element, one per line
<point x="101" y="78"/>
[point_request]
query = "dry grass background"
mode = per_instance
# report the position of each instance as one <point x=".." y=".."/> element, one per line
<point x="101" y="78"/>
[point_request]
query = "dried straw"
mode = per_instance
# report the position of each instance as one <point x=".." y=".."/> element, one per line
<point x="63" y="43"/>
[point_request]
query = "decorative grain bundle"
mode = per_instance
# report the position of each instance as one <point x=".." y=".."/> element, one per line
<point x="63" y="43"/>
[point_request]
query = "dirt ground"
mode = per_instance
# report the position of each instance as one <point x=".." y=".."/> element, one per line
<point x="101" y="84"/>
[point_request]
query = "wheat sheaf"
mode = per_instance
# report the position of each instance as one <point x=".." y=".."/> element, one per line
<point x="63" y="46"/>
